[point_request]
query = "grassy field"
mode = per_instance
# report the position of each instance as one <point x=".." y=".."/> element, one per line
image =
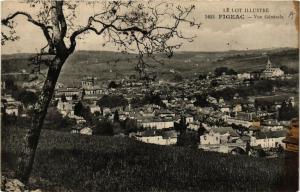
<point x="66" y="162"/>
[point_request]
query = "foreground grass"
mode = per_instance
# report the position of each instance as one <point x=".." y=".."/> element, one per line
<point x="67" y="162"/>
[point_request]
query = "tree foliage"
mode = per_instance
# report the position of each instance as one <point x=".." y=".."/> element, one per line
<point x="287" y="111"/>
<point x="258" y="87"/>
<point x="112" y="101"/>
<point x="113" y="85"/>
<point x="27" y="97"/>
<point x="83" y="111"/>
<point x="153" y="98"/>
<point x="214" y="83"/>
<point x="79" y="109"/>
<point x="288" y="70"/>
<point x="137" y="102"/>
<point x="55" y="121"/>
<point x="130" y="125"/>
<point x="177" y="77"/>
<point x="188" y="139"/>
<point x="224" y="70"/>
<point x="10" y="84"/>
<point x="181" y="126"/>
<point x="116" y="116"/>
<point x="63" y="98"/>
<point x="104" y="127"/>
<point x="202" y="76"/>
<point x="201" y="100"/>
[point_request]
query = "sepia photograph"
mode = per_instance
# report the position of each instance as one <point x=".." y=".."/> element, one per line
<point x="149" y="96"/>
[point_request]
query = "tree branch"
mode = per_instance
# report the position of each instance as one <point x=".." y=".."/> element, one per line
<point x="44" y="28"/>
<point x="82" y="30"/>
<point x="105" y="26"/>
<point x="29" y="18"/>
<point x="61" y="19"/>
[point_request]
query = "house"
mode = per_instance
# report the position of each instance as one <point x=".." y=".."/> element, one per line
<point x="242" y="122"/>
<point x="165" y="114"/>
<point x="267" y="140"/>
<point x="271" y="125"/>
<point x="9" y="99"/>
<point x="189" y="119"/>
<point x="194" y="126"/>
<point x="78" y="119"/>
<point x="227" y="134"/>
<point x="65" y="107"/>
<point x="247" y="116"/>
<point x="12" y="110"/>
<point x="237" y="108"/>
<point x="212" y="100"/>
<point x="243" y="76"/>
<point x="147" y="113"/>
<point x="157" y="123"/>
<point x="68" y="92"/>
<point x="150" y="136"/>
<point x="86" y="131"/>
<point x="158" y="140"/>
<point x="225" y="109"/>
<point x="93" y="91"/>
<point x="292" y="101"/>
<point x="165" y="101"/>
<point x="94" y="108"/>
<point x="221" y="101"/>
<point x="210" y="138"/>
<point x="88" y="82"/>
<point x="205" y="110"/>
<point x="76" y="129"/>
<point x="124" y="115"/>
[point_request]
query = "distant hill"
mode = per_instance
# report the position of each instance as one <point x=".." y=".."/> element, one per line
<point x="109" y="65"/>
<point x="15" y="62"/>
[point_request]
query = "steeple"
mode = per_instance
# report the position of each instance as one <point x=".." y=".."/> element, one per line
<point x="269" y="64"/>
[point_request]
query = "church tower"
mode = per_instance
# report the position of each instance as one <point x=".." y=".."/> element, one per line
<point x="269" y="64"/>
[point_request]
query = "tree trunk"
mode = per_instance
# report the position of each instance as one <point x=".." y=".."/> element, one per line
<point x="26" y="159"/>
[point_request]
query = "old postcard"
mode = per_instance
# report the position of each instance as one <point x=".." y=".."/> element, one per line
<point x="153" y="95"/>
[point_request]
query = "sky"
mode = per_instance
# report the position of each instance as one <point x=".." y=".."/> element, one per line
<point x="214" y="34"/>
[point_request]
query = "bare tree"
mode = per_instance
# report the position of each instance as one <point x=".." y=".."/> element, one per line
<point x="139" y="27"/>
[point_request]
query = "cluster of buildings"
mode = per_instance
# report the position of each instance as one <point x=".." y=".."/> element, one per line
<point x="228" y="125"/>
<point x="227" y="139"/>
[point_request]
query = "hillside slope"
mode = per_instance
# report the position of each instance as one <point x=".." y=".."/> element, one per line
<point x="92" y="163"/>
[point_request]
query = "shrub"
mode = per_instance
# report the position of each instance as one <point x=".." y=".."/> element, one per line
<point x="104" y="127"/>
